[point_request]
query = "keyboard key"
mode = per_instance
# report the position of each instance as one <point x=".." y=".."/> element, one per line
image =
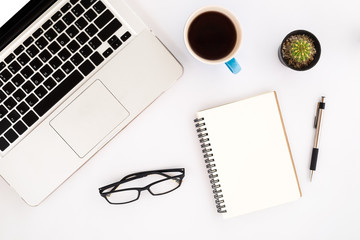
<point x="14" y="67"/>
<point x="73" y="46"/>
<point x="2" y="65"/>
<point x="46" y="71"/>
<point x="47" y="24"/>
<point x="91" y="30"/>
<point x="19" y="49"/>
<point x="10" y="103"/>
<point x="63" y="39"/>
<point x="41" y="43"/>
<point x="30" y="118"/>
<point x="59" y="26"/>
<point x="4" y="125"/>
<point x="95" y="43"/>
<point x="104" y="19"/>
<point x="58" y="75"/>
<point x="9" y="88"/>
<point x="113" y="39"/>
<point x="87" y="3"/>
<point x="37" y="79"/>
<point x="126" y="36"/>
<point x="9" y="58"/>
<point x="86" y="68"/>
<point x="40" y="92"/>
<point x="51" y="34"/>
<point x="5" y="75"/>
<point x="22" y="108"/>
<point x="37" y="33"/>
<point x="11" y="136"/>
<point x="72" y="31"/>
<point x="3" y="111"/>
<point x="28" y="41"/>
<point x="67" y="67"/>
<point x="3" y="144"/>
<point x="109" y="30"/>
<point x="32" y="51"/>
<point x="58" y="93"/>
<point x="28" y="87"/>
<point x="55" y="62"/>
<point x="2" y="96"/>
<point x="96" y="58"/>
<point x="77" y="10"/>
<point x="36" y="64"/>
<point x="20" y="127"/>
<point x="56" y="16"/>
<point x="23" y="59"/>
<point x="99" y="7"/>
<point x="19" y="95"/>
<point x="18" y="80"/>
<point x="68" y="18"/>
<point x="13" y="116"/>
<point x="77" y="59"/>
<point x="73" y="2"/>
<point x="64" y="54"/>
<point x="54" y="47"/>
<point x="82" y="38"/>
<point x="50" y="84"/>
<point x="66" y="8"/>
<point x="86" y="51"/>
<point x="45" y="56"/>
<point x="90" y="15"/>
<point x="107" y="53"/>
<point x="81" y="23"/>
<point x="27" y="72"/>
<point x="31" y="100"/>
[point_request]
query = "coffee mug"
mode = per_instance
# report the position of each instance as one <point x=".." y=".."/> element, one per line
<point x="212" y="35"/>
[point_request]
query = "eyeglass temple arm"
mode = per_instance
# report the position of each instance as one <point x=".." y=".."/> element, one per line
<point x="144" y="174"/>
<point x="126" y="179"/>
<point x="131" y="177"/>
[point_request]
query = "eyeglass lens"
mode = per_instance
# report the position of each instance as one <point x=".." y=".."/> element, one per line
<point x="163" y="186"/>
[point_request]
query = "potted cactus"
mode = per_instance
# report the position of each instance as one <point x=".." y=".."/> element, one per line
<point x="300" y="50"/>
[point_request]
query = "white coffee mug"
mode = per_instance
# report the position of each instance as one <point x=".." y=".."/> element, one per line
<point x="229" y="59"/>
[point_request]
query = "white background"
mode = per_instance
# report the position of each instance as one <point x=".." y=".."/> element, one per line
<point x="164" y="136"/>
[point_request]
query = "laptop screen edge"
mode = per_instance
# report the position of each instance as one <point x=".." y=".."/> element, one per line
<point x="22" y="19"/>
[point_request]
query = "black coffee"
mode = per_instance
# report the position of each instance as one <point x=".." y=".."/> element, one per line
<point x="212" y="35"/>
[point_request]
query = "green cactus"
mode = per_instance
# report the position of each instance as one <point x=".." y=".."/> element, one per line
<point x="301" y="50"/>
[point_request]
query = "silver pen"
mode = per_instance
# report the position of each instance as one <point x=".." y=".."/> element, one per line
<point x="317" y="126"/>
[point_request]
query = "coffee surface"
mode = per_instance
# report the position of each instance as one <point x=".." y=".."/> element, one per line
<point x="212" y="35"/>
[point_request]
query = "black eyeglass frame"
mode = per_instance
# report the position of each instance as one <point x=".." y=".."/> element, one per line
<point x="178" y="178"/>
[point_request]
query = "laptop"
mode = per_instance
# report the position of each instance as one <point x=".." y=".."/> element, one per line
<point x="73" y="74"/>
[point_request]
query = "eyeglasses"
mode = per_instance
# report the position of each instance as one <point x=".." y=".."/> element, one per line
<point x="162" y="182"/>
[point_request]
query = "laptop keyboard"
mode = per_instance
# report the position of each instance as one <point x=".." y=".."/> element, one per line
<point x="52" y="61"/>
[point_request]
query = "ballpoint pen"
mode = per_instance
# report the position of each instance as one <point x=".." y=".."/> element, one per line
<point x="317" y="126"/>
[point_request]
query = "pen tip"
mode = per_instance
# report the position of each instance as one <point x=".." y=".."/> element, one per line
<point x="311" y="175"/>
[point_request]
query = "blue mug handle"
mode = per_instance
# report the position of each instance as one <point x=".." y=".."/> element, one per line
<point x="234" y="66"/>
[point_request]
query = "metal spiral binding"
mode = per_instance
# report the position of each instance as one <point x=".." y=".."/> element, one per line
<point x="210" y="164"/>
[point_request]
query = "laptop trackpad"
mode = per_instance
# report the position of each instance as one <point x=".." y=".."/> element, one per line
<point x="89" y="118"/>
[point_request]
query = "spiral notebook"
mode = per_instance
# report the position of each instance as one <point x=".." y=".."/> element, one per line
<point x="247" y="155"/>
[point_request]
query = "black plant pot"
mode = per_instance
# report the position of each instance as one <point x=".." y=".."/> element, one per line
<point x="316" y="44"/>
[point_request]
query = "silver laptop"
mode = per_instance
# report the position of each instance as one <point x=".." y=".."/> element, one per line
<point x="73" y="73"/>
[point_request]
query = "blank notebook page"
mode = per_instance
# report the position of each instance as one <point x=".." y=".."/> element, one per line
<point x="252" y="154"/>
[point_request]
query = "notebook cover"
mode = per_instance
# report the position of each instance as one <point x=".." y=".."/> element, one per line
<point x="252" y="154"/>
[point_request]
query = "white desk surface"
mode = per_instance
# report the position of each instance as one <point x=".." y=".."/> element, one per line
<point x="164" y="137"/>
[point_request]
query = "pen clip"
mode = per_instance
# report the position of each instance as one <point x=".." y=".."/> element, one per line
<point x="317" y="115"/>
